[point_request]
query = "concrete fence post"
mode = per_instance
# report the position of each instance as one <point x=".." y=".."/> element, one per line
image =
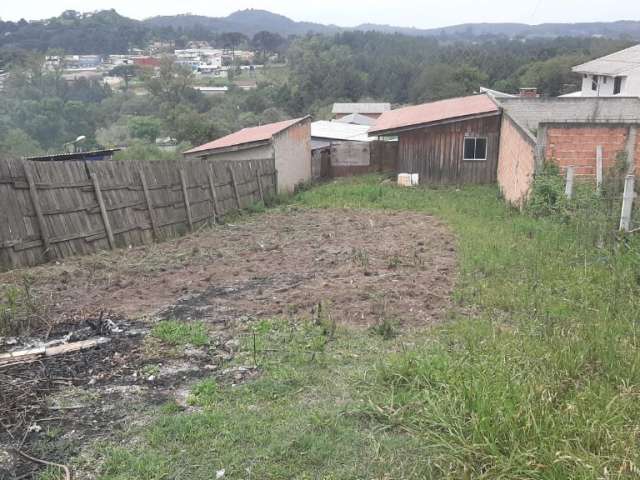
<point x="568" y="190"/>
<point x="599" y="171"/>
<point x="627" y="203"/>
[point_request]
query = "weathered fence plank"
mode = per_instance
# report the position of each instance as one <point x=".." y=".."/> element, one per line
<point x="185" y="196"/>
<point x="103" y="211"/>
<point x="35" y="199"/>
<point x="149" y="203"/>
<point x="234" y="184"/>
<point x="214" y="196"/>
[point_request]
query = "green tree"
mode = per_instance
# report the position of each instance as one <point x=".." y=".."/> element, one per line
<point x="145" y="128"/>
<point x="442" y="81"/>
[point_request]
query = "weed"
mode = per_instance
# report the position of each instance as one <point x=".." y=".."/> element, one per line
<point x="394" y="262"/>
<point x="204" y="394"/>
<point x="174" y="332"/>
<point x="360" y="257"/>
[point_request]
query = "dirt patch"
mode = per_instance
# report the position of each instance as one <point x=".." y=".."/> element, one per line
<point x="360" y="262"/>
<point x="362" y="267"/>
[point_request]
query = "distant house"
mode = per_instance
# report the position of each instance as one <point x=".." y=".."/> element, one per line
<point x="617" y="74"/>
<point x="288" y="143"/>
<point x="566" y="131"/>
<point x="357" y="119"/>
<point x="339" y="149"/>
<point x="372" y="110"/>
<point x="450" y="141"/>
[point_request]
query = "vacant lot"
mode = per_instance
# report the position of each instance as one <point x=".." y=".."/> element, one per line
<point x="335" y="268"/>
<point x="533" y="370"/>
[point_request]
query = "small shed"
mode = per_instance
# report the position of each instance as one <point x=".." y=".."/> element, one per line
<point x="454" y="141"/>
<point x="287" y="143"/>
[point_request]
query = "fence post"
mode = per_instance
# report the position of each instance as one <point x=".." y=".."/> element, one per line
<point x="568" y="191"/>
<point x="627" y="203"/>
<point x="185" y="194"/>
<point x="599" y="172"/>
<point x="103" y="210"/>
<point x="35" y="200"/>
<point x="214" y="196"/>
<point x="234" y="184"/>
<point x="147" y="197"/>
<point x="259" y="179"/>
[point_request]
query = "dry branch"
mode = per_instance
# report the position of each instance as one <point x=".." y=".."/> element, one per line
<point x="33" y="354"/>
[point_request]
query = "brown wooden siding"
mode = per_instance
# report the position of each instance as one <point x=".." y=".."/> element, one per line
<point x="436" y="153"/>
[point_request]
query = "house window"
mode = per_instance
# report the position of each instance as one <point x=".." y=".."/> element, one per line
<point x="617" y="86"/>
<point x="594" y="83"/>
<point x="475" y="148"/>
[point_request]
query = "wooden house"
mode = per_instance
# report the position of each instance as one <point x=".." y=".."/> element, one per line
<point x="454" y="141"/>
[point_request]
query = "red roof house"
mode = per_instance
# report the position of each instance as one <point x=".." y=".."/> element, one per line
<point x="287" y="143"/>
<point x="452" y="141"/>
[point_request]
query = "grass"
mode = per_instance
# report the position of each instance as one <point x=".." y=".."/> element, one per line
<point x="536" y="374"/>
<point x="178" y="333"/>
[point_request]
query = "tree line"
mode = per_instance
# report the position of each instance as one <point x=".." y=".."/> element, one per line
<point x="40" y="111"/>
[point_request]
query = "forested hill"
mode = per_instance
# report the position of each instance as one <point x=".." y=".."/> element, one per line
<point x="108" y="32"/>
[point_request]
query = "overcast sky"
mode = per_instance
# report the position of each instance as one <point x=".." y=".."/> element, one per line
<point x="417" y="13"/>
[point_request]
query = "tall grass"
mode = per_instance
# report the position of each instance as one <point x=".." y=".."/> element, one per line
<point x="540" y="378"/>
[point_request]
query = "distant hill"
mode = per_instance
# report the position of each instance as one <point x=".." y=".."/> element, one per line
<point x="250" y="22"/>
<point x="108" y="32"/>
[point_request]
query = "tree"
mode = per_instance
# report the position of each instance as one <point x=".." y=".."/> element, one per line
<point x="126" y="72"/>
<point x="267" y="42"/>
<point x="552" y="77"/>
<point x="232" y="40"/>
<point x="17" y="144"/>
<point x="145" y="128"/>
<point x="173" y="83"/>
<point x="442" y="81"/>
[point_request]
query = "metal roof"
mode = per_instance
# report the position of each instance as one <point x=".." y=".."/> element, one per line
<point x="529" y="113"/>
<point x="364" y="108"/>
<point x="247" y="135"/>
<point x="434" y="112"/>
<point x="340" y="131"/>
<point x="95" y="154"/>
<point x="618" y="63"/>
<point x="356" y="119"/>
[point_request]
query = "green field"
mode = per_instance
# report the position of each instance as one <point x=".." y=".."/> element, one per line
<point x="535" y="373"/>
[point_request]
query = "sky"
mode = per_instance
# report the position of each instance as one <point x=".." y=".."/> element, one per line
<point x="406" y="13"/>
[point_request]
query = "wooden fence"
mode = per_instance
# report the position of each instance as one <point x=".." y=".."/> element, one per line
<point x="53" y="210"/>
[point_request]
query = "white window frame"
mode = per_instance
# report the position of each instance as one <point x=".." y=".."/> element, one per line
<point x="475" y="139"/>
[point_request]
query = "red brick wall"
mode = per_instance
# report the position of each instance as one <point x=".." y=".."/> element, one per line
<point x="576" y="145"/>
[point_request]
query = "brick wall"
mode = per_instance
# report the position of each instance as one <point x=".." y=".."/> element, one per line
<point x="516" y="163"/>
<point x="576" y="145"/>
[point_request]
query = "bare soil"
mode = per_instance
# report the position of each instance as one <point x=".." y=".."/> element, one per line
<point x="364" y="267"/>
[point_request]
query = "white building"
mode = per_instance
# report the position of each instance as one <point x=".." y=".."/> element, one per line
<point x="617" y="74"/>
<point x="199" y="57"/>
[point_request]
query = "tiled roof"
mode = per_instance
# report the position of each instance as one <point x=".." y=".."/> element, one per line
<point x="434" y="112"/>
<point x="247" y="135"/>
<point x="347" y="108"/>
<point x="617" y="63"/>
<point x="531" y="112"/>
